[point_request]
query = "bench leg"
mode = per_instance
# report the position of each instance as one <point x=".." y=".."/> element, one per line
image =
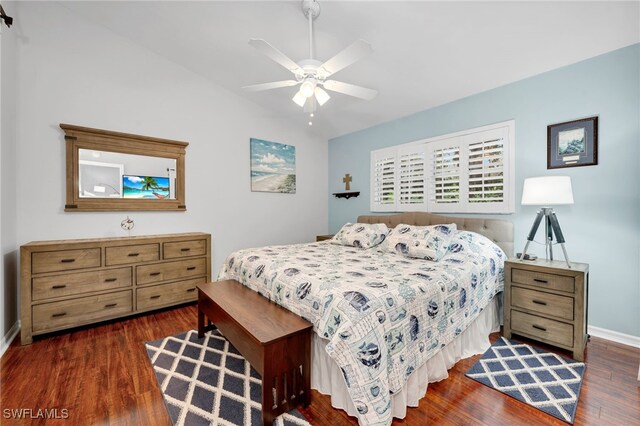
<point x="306" y="371"/>
<point x="267" y="399"/>
<point x="200" y="324"/>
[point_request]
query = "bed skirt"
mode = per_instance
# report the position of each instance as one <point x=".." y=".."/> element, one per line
<point x="327" y="378"/>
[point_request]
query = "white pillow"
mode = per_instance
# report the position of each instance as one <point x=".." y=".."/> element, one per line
<point x="421" y="242"/>
<point x="361" y="235"/>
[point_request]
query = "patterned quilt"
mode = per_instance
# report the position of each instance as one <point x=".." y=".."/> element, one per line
<point x="384" y="314"/>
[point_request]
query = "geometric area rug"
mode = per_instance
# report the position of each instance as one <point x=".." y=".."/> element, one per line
<point x="539" y="378"/>
<point x="207" y="382"/>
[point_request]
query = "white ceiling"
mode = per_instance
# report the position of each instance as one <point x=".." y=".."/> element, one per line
<point x="425" y="53"/>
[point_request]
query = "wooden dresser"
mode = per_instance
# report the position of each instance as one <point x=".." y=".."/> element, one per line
<point x="67" y="283"/>
<point x="547" y="301"/>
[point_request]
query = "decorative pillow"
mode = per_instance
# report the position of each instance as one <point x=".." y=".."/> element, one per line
<point x="421" y="242"/>
<point x="361" y="235"/>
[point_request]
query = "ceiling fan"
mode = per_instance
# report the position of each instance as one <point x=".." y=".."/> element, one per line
<point x="311" y="74"/>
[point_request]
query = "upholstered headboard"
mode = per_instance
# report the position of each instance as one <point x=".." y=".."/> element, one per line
<point x="499" y="231"/>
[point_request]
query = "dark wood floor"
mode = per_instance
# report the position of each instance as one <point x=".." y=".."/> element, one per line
<point x="102" y="375"/>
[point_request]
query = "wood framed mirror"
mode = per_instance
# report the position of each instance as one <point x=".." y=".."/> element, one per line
<point x="113" y="171"/>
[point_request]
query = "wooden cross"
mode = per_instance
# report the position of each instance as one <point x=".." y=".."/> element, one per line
<point x="347" y="180"/>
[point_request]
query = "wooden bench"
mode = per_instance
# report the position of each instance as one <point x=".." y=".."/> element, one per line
<point x="276" y="342"/>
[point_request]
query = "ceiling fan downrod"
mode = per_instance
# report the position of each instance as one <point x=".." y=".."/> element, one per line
<point x="311" y="9"/>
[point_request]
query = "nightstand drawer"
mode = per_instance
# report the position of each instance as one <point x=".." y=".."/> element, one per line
<point x="543" y="280"/>
<point x="545" y="329"/>
<point x="544" y="303"/>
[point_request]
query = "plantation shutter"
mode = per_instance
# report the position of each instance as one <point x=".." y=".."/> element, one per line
<point x="444" y="174"/>
<point x="383" y="180"/>
<point x="465" y="172"/>
<point x="491" y="170"/>
<point x="411" y="178"/>
<point x="486" y="167"/>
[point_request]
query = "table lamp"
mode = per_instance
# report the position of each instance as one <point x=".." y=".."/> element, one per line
<point x="547" y="191"/>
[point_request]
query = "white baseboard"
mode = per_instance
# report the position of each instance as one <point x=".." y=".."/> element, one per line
<point x="614" y="336"/>
<point x="8" y="338"/>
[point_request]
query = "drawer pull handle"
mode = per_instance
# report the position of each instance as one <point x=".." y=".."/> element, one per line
<point x="58" y="315"/>
<point x="134" y="254"/>
<point x="110" y="280"/>
<point x="185" y="249"/>
<point x="155" y="297"/>
<point x="57" y="287"/>
<point x="537" y="327"/>
<point x="111" y="305"/>
<point x="539" y="302"/>
<point x="538" y="280"/>
<point x="189" y="290"/>
<point x="68" y="260"/>
<point x="191" y="268"/>
<point x="153" y="274"/>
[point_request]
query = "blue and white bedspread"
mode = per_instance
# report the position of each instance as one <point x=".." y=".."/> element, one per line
<point x="384" y="314"/>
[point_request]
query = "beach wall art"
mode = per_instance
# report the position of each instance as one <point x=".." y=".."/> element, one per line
<point x="273" y="167"/>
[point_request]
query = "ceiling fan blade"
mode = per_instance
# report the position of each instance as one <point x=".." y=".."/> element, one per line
<point x="276" y="55"/>
<point x="269" y="86"/>
<point x="346" y="57"/>
<point x="350" y="89"/>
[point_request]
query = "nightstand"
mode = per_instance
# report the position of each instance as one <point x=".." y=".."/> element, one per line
<point x="546" y="301"/>
<point x="323" y="237"/>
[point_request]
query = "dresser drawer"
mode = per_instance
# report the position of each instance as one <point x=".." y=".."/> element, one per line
<point x="178" y="249"/>
<point x="544" y="303"/>
<point x="543" y="280"/>
<point x="64" y="260"/>
<point x="54" y="315"/>
<point x="125" y="255"/>
<point x="168" y="294"/>
<point x="81" y="282"/>
<point x="545" y="329"/>
<point x="149" y="274"/>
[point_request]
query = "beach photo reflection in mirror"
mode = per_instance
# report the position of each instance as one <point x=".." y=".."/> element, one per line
<point x="104" y="174"/>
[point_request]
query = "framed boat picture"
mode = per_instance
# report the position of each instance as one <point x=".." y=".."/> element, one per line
<point x="572" y="143"/>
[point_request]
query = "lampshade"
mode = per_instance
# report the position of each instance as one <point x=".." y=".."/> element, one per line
<point x="307" y="88"/>
<point x="299" y="99"/>
<point x="322" y="96"/>
<point x="547" y="191"/>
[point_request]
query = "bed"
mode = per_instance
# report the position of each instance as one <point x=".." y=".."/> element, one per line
<point x="385" y="325"/>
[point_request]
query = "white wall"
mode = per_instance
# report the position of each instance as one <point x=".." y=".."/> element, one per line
<point x="73" y="71"/>
<point x="8" y="235"/>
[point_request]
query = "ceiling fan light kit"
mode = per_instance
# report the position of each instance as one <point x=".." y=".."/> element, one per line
<point x="311" y="74"/>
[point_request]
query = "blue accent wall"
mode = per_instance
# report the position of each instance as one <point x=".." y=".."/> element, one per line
<point x="602" y="228"/>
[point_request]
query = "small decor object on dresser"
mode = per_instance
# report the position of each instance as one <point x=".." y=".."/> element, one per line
<point x="127" y="225"/>
<point x="547" y="301"/>
<point x="573" y="143"/>
<point x="273" y="167"/>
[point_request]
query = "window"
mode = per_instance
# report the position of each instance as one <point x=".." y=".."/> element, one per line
<point x="465" y="172"/>
<point x="383" y="179"/>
